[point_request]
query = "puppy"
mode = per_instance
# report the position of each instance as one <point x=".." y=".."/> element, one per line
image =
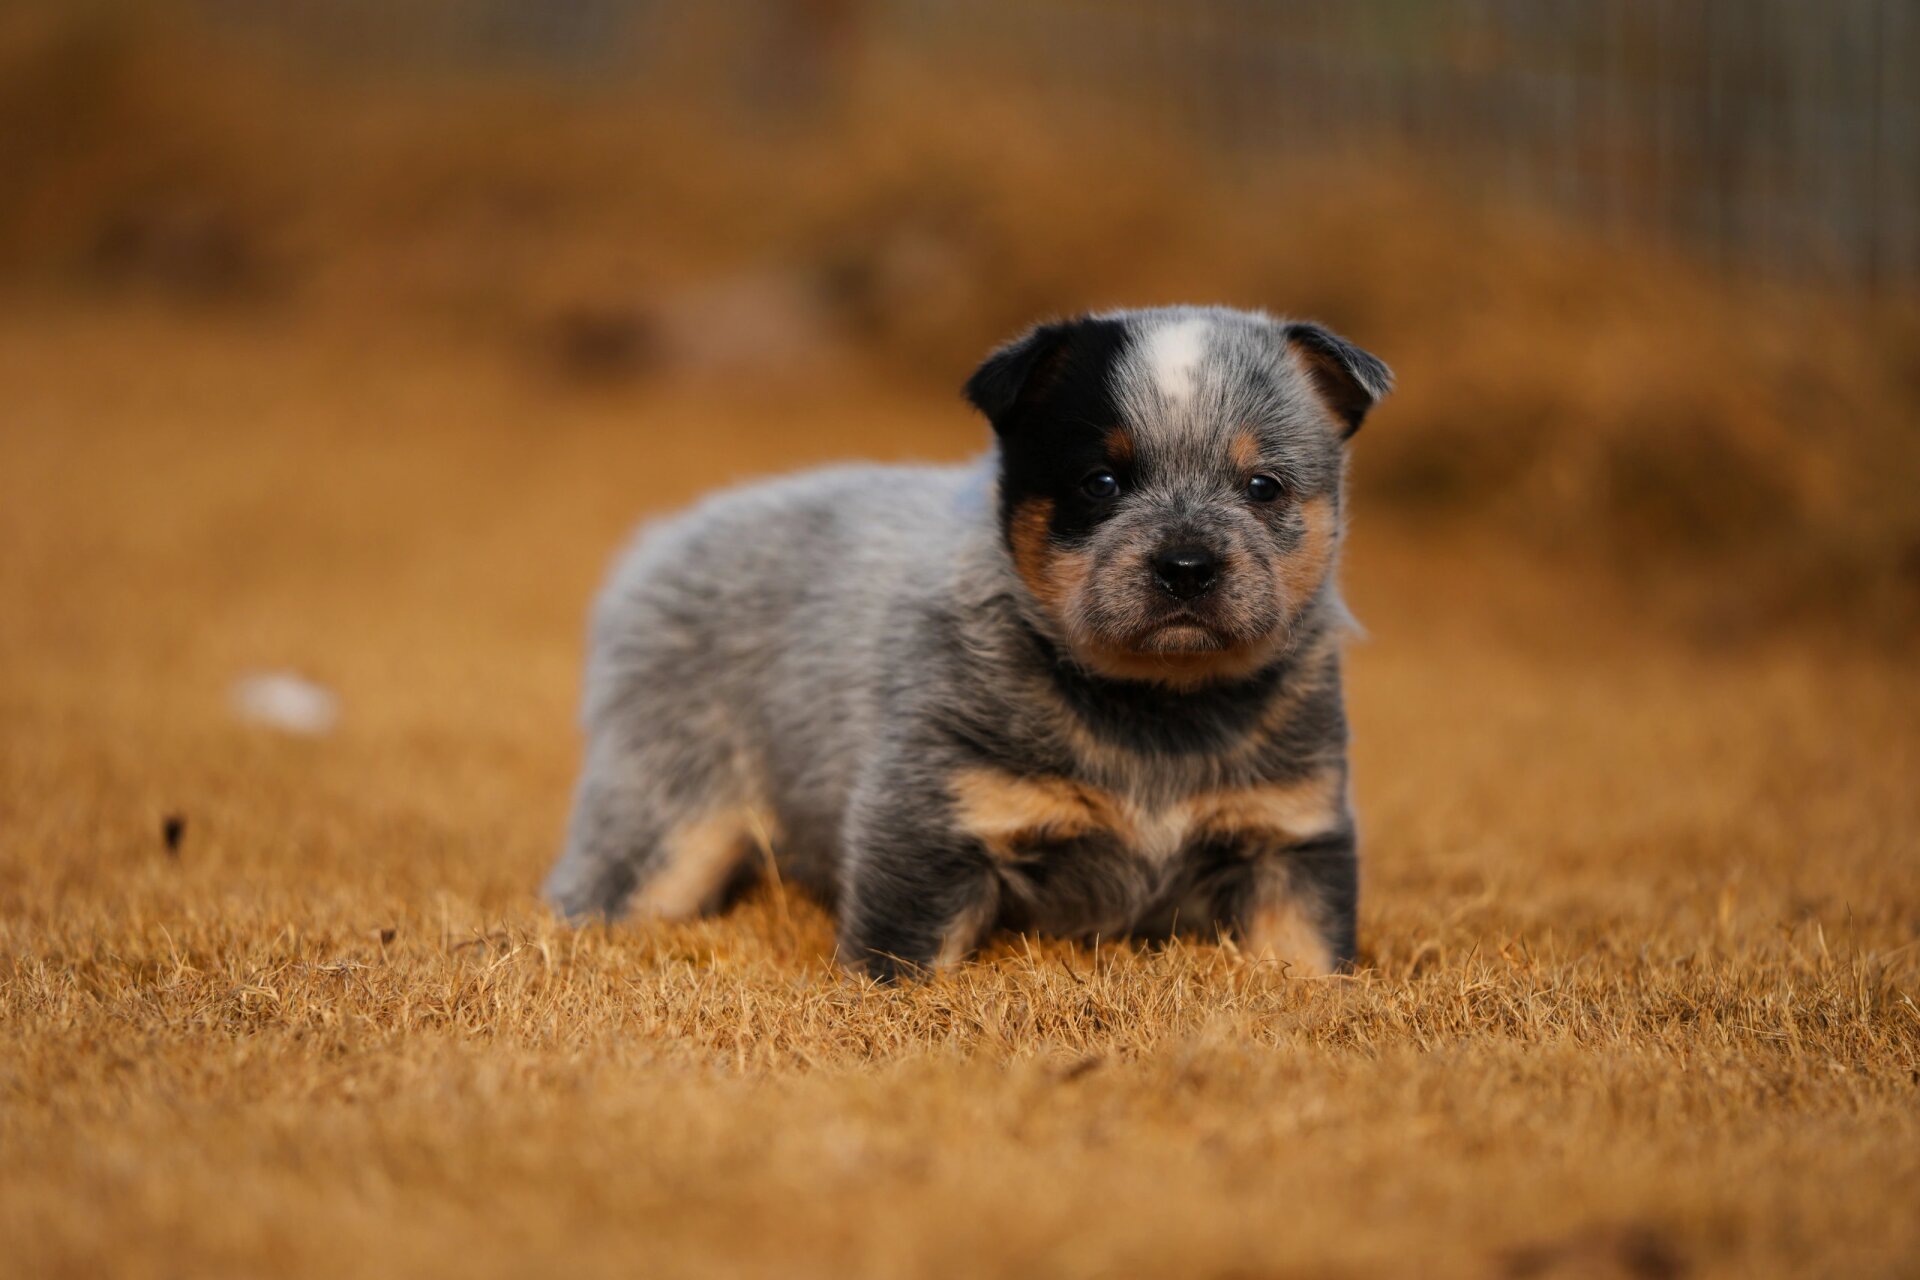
<point x="1089" y="686"/>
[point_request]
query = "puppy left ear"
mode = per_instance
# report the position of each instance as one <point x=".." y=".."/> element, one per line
<point x="1017" y="371"/>
<point x="1348" y="379"/>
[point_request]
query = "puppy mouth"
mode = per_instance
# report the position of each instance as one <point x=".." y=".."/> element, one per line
<point x="1182" y="634"/>
<point x="1181" y="648"/>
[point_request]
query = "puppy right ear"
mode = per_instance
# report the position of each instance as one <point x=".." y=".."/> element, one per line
<point x="1348" y="379"/>
<point x="1016" y="373"/>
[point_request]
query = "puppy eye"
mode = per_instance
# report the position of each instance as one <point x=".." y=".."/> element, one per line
<point x="1263" y="489"/>
<point x="1101" y="485"/>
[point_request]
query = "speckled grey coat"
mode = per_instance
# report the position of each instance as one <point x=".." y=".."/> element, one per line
<point x="1088" y="685"/>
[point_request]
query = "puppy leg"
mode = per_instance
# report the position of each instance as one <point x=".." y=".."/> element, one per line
<point x="1296" y="904"/>
<point x="916" y="895"/>
<point x="650" y="831"/>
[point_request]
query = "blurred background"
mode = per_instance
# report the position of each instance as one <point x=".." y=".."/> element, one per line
<point x="342" y="342"/>
<point x="1647" y="271"/>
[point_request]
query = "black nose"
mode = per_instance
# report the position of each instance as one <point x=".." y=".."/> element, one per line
<point x="1185" y="572"/>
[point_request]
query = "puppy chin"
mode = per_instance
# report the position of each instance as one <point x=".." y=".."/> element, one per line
<point x="1179" y="638"/>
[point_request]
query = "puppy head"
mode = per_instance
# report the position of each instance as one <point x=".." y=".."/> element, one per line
<point x="1170" y="481"/>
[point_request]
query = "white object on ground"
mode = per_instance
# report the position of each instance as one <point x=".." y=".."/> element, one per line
<point x="285" y="701"/>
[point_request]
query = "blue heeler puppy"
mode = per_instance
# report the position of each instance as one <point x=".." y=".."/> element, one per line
<point x="1087" y="686"/>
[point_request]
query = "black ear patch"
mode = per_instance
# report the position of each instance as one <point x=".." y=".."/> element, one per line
<point x="1061" y="360"/>
<point x="998" y="384"/>
<point x="1348" y="379"/>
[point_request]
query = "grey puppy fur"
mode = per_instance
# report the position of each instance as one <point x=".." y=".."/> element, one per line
<point x="1088" y="685"/>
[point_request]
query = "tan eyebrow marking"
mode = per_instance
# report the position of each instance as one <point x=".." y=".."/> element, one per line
<point x="1245" y="450"/>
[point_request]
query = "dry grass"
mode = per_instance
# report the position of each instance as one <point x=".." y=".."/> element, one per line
<point x="1643" y="861"/>
<point x="1639" y="923"/>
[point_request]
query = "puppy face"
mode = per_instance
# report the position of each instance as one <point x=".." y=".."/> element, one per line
<point x="1170" y="481"/>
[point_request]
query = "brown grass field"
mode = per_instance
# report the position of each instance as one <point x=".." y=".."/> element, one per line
<point x="1637" y="723"/>
<point x="1639" y="921"/>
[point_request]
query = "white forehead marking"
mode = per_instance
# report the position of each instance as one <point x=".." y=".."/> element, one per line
<point x="1171" y="352"/>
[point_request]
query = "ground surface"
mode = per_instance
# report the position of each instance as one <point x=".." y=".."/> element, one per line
<point x="1639" y="925"/>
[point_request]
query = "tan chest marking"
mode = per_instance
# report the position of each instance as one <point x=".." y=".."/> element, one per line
<point x="1010" y="814"/>
<point x="1297" y="810"/>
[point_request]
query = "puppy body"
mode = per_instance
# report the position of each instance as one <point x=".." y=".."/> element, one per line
<point x="1089" y="685"/>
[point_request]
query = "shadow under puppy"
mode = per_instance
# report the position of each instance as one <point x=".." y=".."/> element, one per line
<point x="1087" y="686"/>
